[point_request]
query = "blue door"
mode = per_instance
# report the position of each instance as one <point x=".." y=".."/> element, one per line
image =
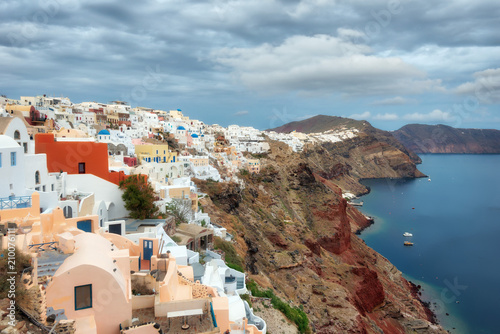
<point x="147" y="246"/>
<point x="85" y="225"/>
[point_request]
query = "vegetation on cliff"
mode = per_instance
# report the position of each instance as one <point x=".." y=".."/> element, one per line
<point x="294" y="314"/>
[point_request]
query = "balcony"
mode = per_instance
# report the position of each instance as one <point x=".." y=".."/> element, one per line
<point x="13" y="202"/>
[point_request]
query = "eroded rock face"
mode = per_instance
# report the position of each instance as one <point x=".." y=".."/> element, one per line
<point x="296" y="234"/>
<point x="341" y="240"/>
<point x="369" y="290"/>
<point x="314" y="246"/>
<point x="344" y="163"/>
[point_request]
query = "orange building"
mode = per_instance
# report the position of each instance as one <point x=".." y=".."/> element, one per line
<point x="76" y="157"/>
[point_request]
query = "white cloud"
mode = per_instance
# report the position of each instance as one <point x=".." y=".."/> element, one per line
<point x="435" y="115"/>
<point x="386" y="117"/>
<point x="398" y="100"/>
<point x="322" y="65"/>
<point x="363" y="116"/>
<point x="485" y="88"/>
<point x="241" y="113"/>
<point x="301" y="118"/>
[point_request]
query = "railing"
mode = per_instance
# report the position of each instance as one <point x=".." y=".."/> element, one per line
<point x="213" y="315"/>
<point x="12" y="202"/>
<point x="45" y="246"/>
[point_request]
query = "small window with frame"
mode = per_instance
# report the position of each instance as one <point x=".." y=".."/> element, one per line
<point x="83" y="297"/>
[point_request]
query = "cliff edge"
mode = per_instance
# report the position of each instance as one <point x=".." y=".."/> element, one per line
<point x="295" y="233"/>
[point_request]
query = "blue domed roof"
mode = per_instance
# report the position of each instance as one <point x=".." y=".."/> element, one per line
<point x="194" y="135"/>
<point x="181" y="128"/>
<point x="104" y="132"/>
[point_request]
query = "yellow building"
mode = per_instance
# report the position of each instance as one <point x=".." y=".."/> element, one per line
<point x="155" y="153"/>
<point x="253" y="166"/>
<point x="199" y="161"/>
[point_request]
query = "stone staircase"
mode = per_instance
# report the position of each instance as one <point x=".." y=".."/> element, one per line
<point x="47" y="268"/>
<point x="49" y="262"/>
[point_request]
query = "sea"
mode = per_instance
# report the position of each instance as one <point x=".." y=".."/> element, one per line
<point x="454" y="216"/>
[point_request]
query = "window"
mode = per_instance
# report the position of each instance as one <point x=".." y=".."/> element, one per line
<point x="12" y="158"/>
<point x="83" y="297"/>
<point x="68" y="212"/>
<point x="17" y="135"/>
<point x="81" y="168"/>
<point x="37" y="177"/>
<point x="0" y="159"/>
<point x="52" y="187"/>
<point x="25" y="145"/>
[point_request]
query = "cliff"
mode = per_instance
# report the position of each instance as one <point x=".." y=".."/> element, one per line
<point x="422" y="138"/>
<point x="365" y="156"/>
<point x="322" y="123"/>
<point x="373" y="153"/>
<point x="295" y="233"/>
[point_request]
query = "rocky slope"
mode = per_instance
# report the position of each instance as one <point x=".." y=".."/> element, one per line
<point x="372" y="154"/>
<point x="295" y="232"/>
<point x="322" y="123"/>
<point x="422" y="138"/>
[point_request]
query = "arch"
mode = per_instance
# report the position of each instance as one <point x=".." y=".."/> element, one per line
<point x="37" y="177"/>
<point x="17" y="135"/>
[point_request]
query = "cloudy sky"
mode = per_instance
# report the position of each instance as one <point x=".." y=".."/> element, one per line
<point x="262" y="63"/>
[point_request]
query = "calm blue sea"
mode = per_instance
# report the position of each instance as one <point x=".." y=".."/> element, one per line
<point x="455" y="222"/>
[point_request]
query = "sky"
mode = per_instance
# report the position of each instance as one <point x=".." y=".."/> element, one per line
<point x="262" y="63"/>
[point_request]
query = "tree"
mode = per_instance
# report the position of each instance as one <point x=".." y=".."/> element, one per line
<point x="180" y="209"/>
<point x="139" y="197"/>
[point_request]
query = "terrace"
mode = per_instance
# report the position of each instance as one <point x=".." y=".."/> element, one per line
<point x="198" y="320"/>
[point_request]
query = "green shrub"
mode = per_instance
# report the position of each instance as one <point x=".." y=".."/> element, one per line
<point x="294" y="314"/>
<point x="246" y="297"/>
<point x="233" y="260"/>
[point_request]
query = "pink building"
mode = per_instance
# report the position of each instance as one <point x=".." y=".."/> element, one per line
<point x="89" y="281"/>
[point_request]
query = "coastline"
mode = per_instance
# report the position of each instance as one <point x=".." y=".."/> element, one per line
<point x="415" y="289"/>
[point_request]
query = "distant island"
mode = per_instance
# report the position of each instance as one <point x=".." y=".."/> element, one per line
<point x="421" y="138"/>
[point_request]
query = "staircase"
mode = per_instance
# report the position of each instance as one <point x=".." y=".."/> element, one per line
<point x="49" y="262"/>
<point x="47" y="268"/>
<point x="240" y="282"/>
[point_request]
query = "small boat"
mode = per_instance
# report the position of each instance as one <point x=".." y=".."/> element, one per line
<point x="407" y="243"/>
<point x="407" y="234"/>
<point x="429" y="180"/>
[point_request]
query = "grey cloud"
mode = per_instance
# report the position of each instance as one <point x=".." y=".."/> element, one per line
<point x="322" y="64"/>
<point x="101" y="48"/>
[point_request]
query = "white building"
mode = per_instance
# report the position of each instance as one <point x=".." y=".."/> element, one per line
<point x="12" y="168"/>
<point x="15" y="128"/>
